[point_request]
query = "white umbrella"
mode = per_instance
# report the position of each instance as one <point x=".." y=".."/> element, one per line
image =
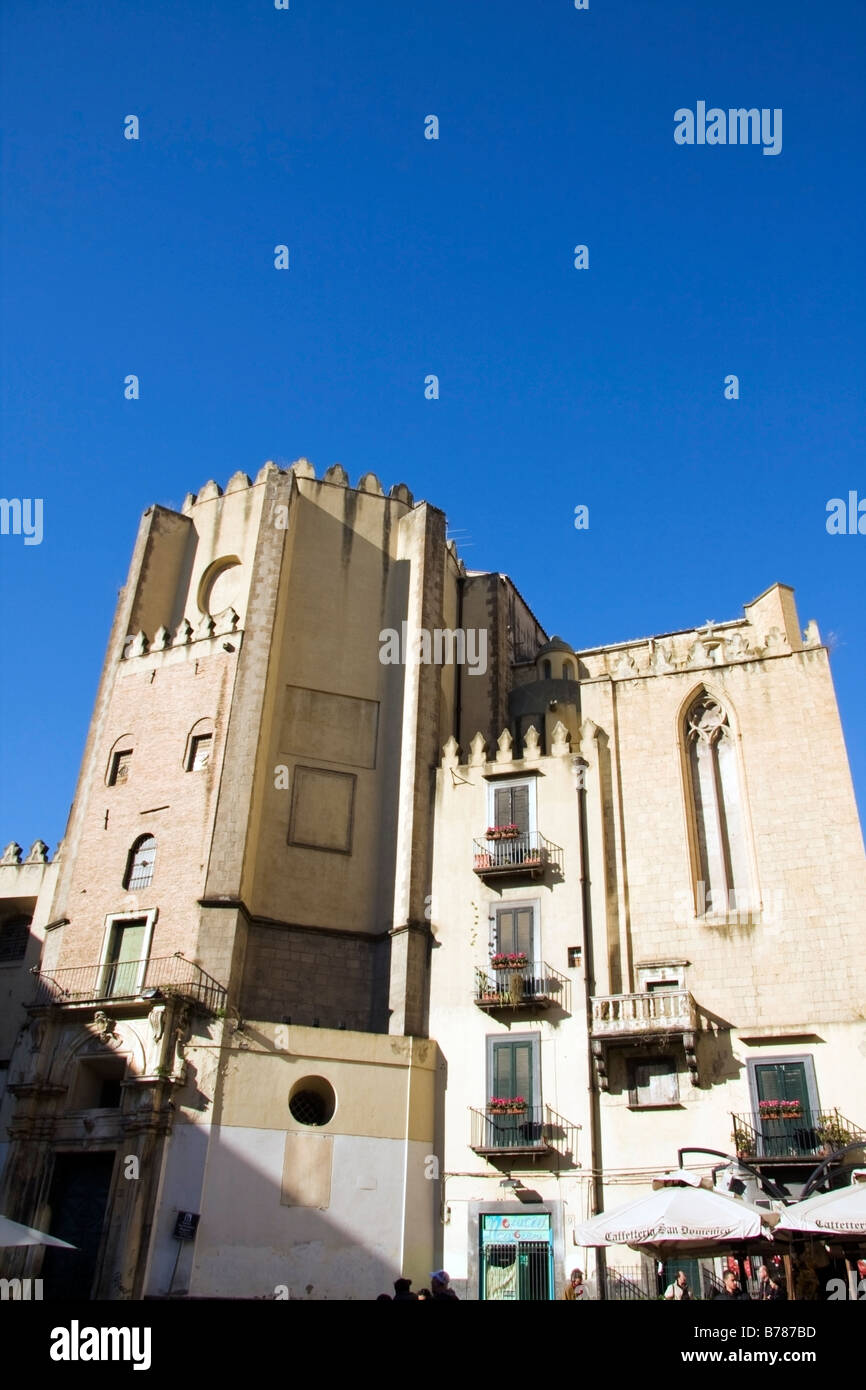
<point x="682" y="1217"/>
<point x="841" y="1213"/>
<point x="11" y="1233"/>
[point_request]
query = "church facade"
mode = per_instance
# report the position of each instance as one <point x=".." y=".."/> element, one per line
<point x="389" y="931"/>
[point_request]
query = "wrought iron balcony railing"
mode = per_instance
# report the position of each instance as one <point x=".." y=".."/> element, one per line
<point x="536" y="985"/>
<point x="791" y="1137"/>
<point x="526" y="853"/>
<point x="128" y="980"/>
<point x="536" y="1130"/>
<point x="636" y="1015"/>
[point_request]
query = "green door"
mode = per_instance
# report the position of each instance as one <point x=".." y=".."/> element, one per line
<point x="516" y="1258"/>
<point x="785" y="1119"/>
<point x="124" y="958"/>
<point x="514" y="931"/>
<point x="511" y="1076"/>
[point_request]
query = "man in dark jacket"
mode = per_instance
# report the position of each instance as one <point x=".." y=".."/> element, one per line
<point x="732" y="1288"/>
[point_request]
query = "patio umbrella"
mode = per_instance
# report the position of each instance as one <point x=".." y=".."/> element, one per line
<point x="11" y="1233"/>
<point x="682" y="1217"/>
<point x="841" y="1213"/>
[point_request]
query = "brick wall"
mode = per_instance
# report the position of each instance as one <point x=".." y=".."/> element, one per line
<point x="309" y="973"/>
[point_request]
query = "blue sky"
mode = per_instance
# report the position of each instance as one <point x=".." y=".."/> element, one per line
<point x="411" y="256"/>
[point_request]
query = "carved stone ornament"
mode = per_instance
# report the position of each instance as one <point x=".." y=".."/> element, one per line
<point x="105" y="1027"/>
<point x="451" y="753"/>
<point x="504" y="747"/>
<point x="531" y="745"/>
<point x="478" y="751"/>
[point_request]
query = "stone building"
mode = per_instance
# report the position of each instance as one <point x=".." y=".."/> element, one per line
<point x="331" y="778"/>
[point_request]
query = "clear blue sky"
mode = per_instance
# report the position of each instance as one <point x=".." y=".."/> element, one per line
<point x="409" y="257"/>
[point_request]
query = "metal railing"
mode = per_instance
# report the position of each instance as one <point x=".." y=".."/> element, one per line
<point x="129" y="979"/>
<point x="758" y="1135"/>
<point x="537" y="1129"/>
<point x="652" y="1011"/>
<point x="536" y="983"/>
<point x="526" y="852"/>
<point x="628" y="1285"/>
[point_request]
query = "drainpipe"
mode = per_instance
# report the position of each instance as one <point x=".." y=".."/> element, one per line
<point x="579" y="766"/>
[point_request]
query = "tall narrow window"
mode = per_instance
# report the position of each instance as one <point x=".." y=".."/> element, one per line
<point x="723" y="879"/>
<point x="140" y="864"/>
<point x="124" y="966"/>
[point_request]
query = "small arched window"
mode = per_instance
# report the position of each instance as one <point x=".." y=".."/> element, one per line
<point x="546" y="670"/>
<point x="567" y="671"/>
<point x="140" y="864"/>
<point x="119" y="761"/>
<point x="722" y="877"/>
<point x="199" y="742"/>
<point x="14" y="935"/>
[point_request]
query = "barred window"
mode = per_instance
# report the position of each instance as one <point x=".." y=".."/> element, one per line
<point x="140" y="864"/>
<point x="14" y="935"/>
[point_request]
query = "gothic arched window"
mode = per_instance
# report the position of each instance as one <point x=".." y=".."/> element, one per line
<point x="722" y="873"/>
<point x="140" y="864"/>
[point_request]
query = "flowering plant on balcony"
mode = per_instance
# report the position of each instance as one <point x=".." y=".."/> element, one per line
<point x="503" y="832"/>
<point x="506" y="1105"/>
<point x="516" y="960"/>
<point x="780" y="1109"/>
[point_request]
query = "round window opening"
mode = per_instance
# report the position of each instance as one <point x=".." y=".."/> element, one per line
<point x="312" y="1101"/>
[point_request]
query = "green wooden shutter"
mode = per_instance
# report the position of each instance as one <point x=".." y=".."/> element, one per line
<point x="514" y="930"/>
<point x="127" y="949"/>
<point x="520" y="808"/>
<point x="512" y="1070"/>
<point x="502" y="806"/>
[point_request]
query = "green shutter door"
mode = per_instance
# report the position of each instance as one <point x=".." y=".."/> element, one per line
<point x="520" y="808"/>
<point x="511" y="807"/>
<point x="512" y="1070"/>
<point x="126" y="951"/>
<point x="784" y="1081"/>
<point x="514" y="930"/>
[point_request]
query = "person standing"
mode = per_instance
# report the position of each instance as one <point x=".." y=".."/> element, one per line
<point x="575" y="1289"/>
<point x="679" y="1289"/>
<point x="731" y="1288"/>
<point x="440" y="1285"/>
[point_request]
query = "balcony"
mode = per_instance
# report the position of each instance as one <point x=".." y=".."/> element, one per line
<point x="653" y="1016"/>
<point x="802" y="1138"/>
<point x="534" y="1132"/>
<point x="533" y="986"/>
<point x="523" y="855"/>
<point x="128" y="981"/>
